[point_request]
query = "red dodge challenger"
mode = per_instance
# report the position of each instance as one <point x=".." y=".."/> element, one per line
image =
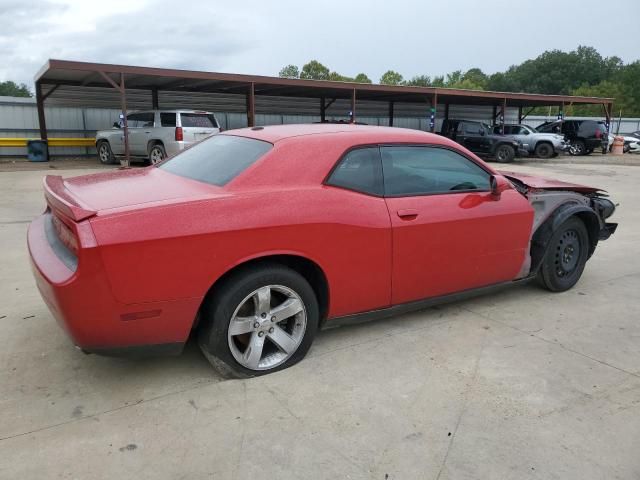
<point x="255" y="238"/>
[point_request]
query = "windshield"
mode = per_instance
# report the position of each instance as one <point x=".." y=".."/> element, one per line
<point x="217" y="160"/>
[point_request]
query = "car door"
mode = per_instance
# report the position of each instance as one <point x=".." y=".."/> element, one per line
<point x="140" y="130"/>
<point x="473" y="139"/>
<point x="355" y="195"/>
<point x="450" y="233"/>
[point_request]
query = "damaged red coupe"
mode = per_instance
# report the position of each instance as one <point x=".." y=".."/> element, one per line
<point x="256" y="238"/>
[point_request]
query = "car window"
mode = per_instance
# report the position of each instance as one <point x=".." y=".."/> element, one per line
<point x="472" y="128"/>
<point x="168" y="119"/>
<point x="427" y="170"/>
<point x="217" y="160"/>
<point x="140" y="120"/>
<point x="200" y="120"/>
<point x="359" y="170"/>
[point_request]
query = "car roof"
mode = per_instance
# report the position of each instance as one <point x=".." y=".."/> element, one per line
<point x="169" y="110"/>
<point x="364" y="133"/>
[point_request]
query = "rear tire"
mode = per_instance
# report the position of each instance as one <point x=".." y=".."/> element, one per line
<point x="105" y="155"/>
<point x="577" y="148"/>
<point x="505" y="154"/>
<point x="271" y="308"/>
<point x="157" y="153"/>
<point x="544" y="150"/>
<point x="566" y="256"/>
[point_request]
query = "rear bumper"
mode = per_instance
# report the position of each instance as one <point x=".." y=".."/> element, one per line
<point x="84" y="306"/>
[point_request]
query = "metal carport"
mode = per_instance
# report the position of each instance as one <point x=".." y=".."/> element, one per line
<point x="79" y="79"/>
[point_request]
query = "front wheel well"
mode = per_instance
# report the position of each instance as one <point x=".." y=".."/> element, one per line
<point x="310" y="270"/>
<point x="541" y="237"/>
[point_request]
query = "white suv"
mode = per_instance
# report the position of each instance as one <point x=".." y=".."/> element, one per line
<point x="156" y="134"/>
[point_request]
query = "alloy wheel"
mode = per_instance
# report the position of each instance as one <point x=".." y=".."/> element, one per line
<point x="155" y="156"/>
<point x="267" y="327"/>
<point x="105" y="155"/>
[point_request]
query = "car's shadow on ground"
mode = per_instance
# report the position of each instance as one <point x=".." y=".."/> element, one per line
<point x="191" y="367"/>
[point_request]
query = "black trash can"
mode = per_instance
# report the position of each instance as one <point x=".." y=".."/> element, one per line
<point x="37" y="150"/>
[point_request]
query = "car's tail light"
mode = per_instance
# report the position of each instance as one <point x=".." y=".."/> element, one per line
<point x="179" y="135"/>
<point x="598" y="133"/>
<point x="65" y="234"/>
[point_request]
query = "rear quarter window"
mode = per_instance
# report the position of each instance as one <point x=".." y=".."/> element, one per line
<point x="217" y="160"/>
<point x="167" y="119"/>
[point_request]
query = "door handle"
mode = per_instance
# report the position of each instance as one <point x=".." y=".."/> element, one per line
<point x="408" y="214"/>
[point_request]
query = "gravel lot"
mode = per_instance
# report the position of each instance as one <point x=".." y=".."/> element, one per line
<point x="515" y="385"/>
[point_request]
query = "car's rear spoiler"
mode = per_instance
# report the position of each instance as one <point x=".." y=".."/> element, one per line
<point x="61" y="200"/>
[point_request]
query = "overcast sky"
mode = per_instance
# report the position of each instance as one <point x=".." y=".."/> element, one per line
<point x="349" y="36"/>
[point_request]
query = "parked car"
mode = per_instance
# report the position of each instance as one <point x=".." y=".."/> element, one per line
<point x="542" y="145"/>
<point x="631" y="143"/>
<point x="479" y="138"/>
<point x="257" y="237"/>
<point x="584" y="136"/>
<point x="156" y="134"/>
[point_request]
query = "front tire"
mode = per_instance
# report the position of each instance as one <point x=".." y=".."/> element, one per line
<point x="544" y="150"/>
<point x="105" y="155"/>
<point x="505" y="154"/>
<point x="566" y="256"/>
<point x="259" y="321"/>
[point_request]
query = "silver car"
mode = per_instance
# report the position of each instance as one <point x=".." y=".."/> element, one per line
<point x="156" y="134"/>
<point x="543" y="145"/>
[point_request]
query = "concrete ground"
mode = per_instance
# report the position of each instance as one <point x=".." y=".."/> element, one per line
<point x="515" y="385"/>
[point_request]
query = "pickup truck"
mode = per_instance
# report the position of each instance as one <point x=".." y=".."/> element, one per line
<point x="542" y="145"/>
<point x="479" y="138"/>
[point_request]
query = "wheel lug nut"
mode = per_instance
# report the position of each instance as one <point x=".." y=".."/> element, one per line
<point x="260" y="334"/>
<point x="256" y="325"/>
<point x="263" y="315"/>
<point x="271" y="330"/>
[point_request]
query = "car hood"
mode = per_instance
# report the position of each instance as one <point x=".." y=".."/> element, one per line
<point x="117" y="189"/>
<point x="542" y="183"/>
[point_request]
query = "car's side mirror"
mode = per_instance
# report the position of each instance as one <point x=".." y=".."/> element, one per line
<point x="116" y="124"/>
<point x="526" y="132"/>
<point x="481" y="131"/>
<point x="495" y="188"/>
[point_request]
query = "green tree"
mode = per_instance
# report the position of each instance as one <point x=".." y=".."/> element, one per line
<point x="419" y="81"/>
<point x="362" y="78"/>
<point x="12" y="89"/>
<point x="339" y="78"/>
<point x="290" y="71"/>
<point x="314" y="70"/>
<point x="477" y="77"/>
<point x="391" y="77"/>
<point x="438" y="81"/>
<point x="623" y="86"/>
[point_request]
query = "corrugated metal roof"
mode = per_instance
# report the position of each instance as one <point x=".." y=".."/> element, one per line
<point x="140" y="81"/>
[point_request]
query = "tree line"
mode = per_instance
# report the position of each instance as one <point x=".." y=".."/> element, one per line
<point x="12" y="89"/>
<point x="583" y="71"/>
